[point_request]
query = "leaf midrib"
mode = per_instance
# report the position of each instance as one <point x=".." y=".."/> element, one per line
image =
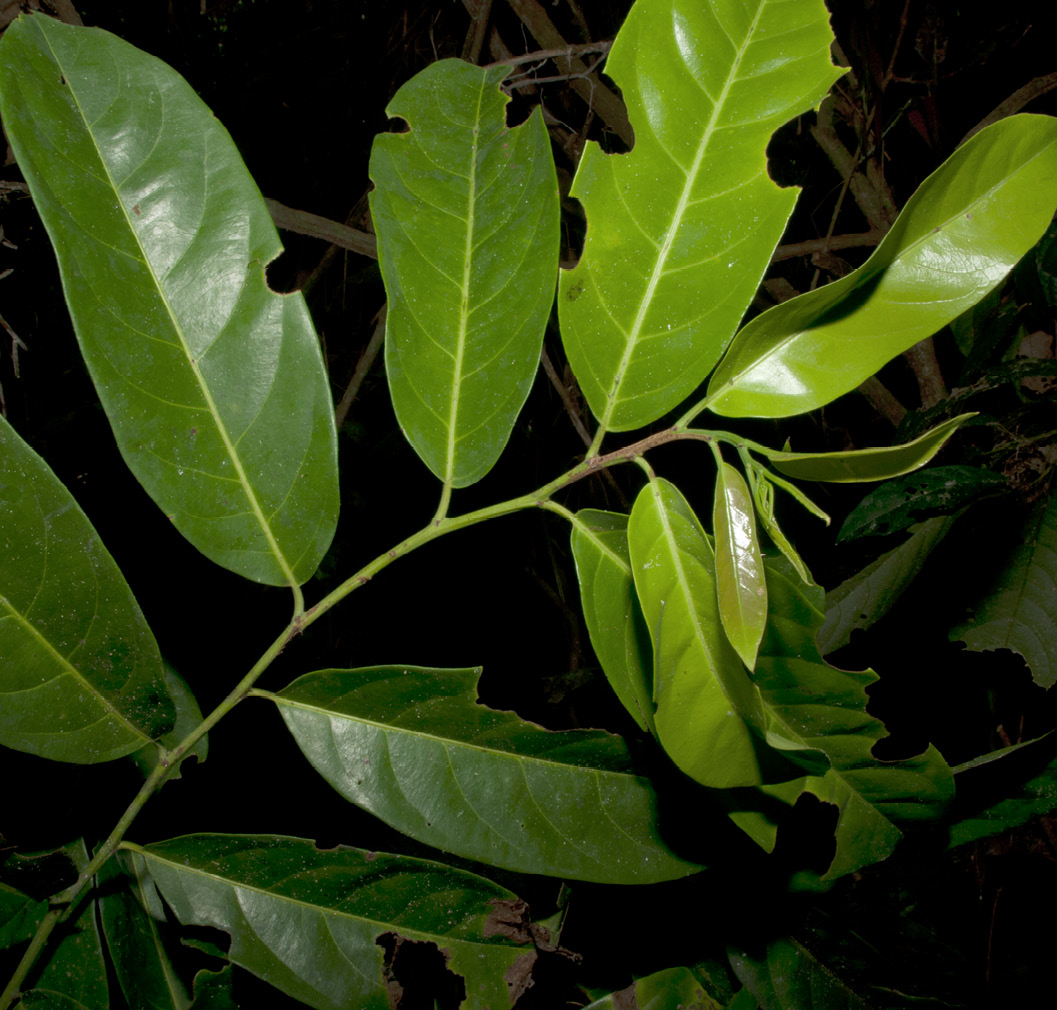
<point x="229" y="446"/>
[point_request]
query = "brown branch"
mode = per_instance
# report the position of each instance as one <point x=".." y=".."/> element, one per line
<point x="303" y="223"/>
<point x="1015" y="102"/>
<point x="542" y="55"/>
<point x="926" y="366"/>
<point x="816" y="245"/>
<point x="882" y="400"/>
<point x="363" y="366"/>
<point x="471" y="49"/>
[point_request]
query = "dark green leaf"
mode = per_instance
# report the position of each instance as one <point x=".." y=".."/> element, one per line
<point x="670" y="989"/>
<point x="1018" y="610"/>
<point x="955" y="240"/>
<point x="867" y="464"/>
<point x="740" y="583"/>
<point x="867" y="596"/>
<point x="466" y="211"/>
<point x="681" y="229"/>
<point x="80" y="675"/>
<point x="308" y="921"/>
<point x="213" y="990"/>
<point x="611" y="609"/>
<point x="19" y="916"/>
<point x="900" y="503"/>
<point x="188" y="716"/>
<point x="415" y="748"/>
<point x="214" y="385"/>
<point x="135" y="938"/>
<point x="47" y="999"/>
<point x="705" y="702"/>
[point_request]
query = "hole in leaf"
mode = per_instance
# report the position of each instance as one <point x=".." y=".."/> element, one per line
<point x="398" y="124"/>
<point x="417" y="975"/>
<point x="574" y="229"/>
<point x="281" y="275"/>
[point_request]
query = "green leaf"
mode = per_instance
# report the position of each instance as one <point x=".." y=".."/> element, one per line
<point x="681" y="229"/>
<point x="214" y="385"/>
<point x="135" y="937"/>
<point x="415" y="748"/>
<point x="867" y="464"/>
<point x="740" y="582"/>
<point x="864" y="598"/>
<point x="791" y="977"/>
<point x="1018" y="609"/>
<point x="308" y="921"/>
<point x="466" y="211"/>
<point x="80" y="675"/>
<point x="670" y="989"/>
<point x="900" y="503"/>
<point x="213" y="990"/>
<point x="611" y="609"/>
<point x="816" y="715"/>
<point x="72" y="966"/>
<point x="955" y="240"/>
<point x="47" y="999"/>
<point x="19" y="916"/>
<point x="704" y="699"/>
<point x="188" y="716"/>
<point x="763" y="497"/>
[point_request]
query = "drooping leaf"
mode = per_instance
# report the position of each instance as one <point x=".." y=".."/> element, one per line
<point x="611" y="609"/>
<point x="816" y="715"/>
<point x="308" y="921"/>
<point x="466" y="211"/>
<point x="214" y="385"/>
<point x="789" y="976"/>
<point x="19" y="916"/>
<point x="80" y="675"/>
<point x="670" y="989"/>
<point x="415" y="748"/>
<point x="740" y="583"/>
<point x="900" y="503"/>
<point x="188" y="716"/>
<point x="704" y="700"/>
<point x="956" y="239"/>
<point x="681" y="229"/>
<point x="135" y="938"/>
<point x="867" y="464"/>
<point x="72" y="965"/>
<point x="1018" y="609"/>
<point x="865" y="597"/>
<point x="763" y="497"/>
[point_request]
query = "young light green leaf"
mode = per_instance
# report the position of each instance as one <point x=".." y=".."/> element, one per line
<point x="681" y="229"/>
<point x="956" y="239"/>
<point x="214" y="385"/>
<point x="763" y="497"/>
<point x="740" y="584"/>
<point x="466" y="211"/>
<point x="414" y="747"/>
<point x="308" y="921"/>
<point x="74" y="968"/>
<point x="80" y="675"/>
<point x="867" y="464"/>
<point x="1018" y="610"/>
<point x="134" y="937"/>
<point x="865" y="597"/>
<point x="704" y="700"/>
<point x="611" y="609"/>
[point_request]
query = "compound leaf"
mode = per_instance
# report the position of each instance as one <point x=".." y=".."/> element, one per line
<point x="466" y="211"/>
<point x="80" y="674"/>
<point x="704" y="700"/>
<point x="956" y="239"/>
<point x="414" y="747"/>
<point x="681" y="229"/>
<point x="611" y="608"/>
<point x="214" y="385"/>
<point x="308" y="921"/>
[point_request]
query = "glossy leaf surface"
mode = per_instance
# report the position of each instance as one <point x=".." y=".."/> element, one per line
<point x="681" y="229"/>
<point x="307" y="921"/>
<point x="865" y="597"/>
<point x="900" y="503"/>
<point x="214" y="385"/>
<point x="956" y="239"/>
<point x="415" y="748"/>
<point x="466" y="211"/>
<point x="701" y="690"/>
<point x="867" y="464"/>
<point x="80" y="675"/>
<point x="611" y="609"/>
<point x="1018" y="609"/>
<point x="740" y="583"/>
<point x="816" y="715"/>
<point x="135" y="938"/>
